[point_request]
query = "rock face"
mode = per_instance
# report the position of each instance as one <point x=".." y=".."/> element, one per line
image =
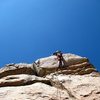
<point x="80" y="87"/>
<point x="73" y="64"/>
<point x="44" y="80"/>
<point x="63" y="87"/>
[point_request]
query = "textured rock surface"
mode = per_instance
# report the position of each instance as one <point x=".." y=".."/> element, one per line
<point x="64" y="87"/>
<point x="81" y="87"/>
<point x="74" y="64"/>
<point x="78" y="80"/>
<point x="14" y="69"/>
<point x="37" y="91"/>
<point x="22" y="79"/>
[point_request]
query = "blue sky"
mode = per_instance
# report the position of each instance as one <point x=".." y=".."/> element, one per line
<point x="31" y="29"/>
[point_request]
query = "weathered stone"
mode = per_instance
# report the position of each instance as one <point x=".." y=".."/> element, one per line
<point x="52" y="62"/>
<point x="73" y="64"/>
<point x="36" y="91"/>
<point x="63" y="87"/>
<point x="81" y="87"/>
<point x="14" y="69"/>
<point x="22" y="79"/>
<point x="77" y="80"/>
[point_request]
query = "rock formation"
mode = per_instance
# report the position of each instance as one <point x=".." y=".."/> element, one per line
<point x="14" y="69"/>
<point x="74" y="64"/>
<point x="44" y="80"/>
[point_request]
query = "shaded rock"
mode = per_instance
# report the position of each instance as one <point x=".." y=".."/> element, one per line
<point x="14" y="69"/>
<point x="22" y="79"/>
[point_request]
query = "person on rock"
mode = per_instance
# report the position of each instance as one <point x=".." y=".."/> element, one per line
<point x="59" y="58"/>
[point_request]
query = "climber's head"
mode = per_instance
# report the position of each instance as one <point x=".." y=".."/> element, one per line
<point x="57" y="52"/>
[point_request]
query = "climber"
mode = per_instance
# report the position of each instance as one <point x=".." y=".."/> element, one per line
<point x="59" y="57"/>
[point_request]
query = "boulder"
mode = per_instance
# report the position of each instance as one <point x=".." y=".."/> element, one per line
<point x="73" y="64"/>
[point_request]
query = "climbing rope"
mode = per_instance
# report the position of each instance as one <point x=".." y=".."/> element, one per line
<point x="59" y="85"/>
<point x="56" y="83"/>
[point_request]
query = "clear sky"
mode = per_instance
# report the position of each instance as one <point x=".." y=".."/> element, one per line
<point x="31" y="29"/>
